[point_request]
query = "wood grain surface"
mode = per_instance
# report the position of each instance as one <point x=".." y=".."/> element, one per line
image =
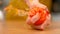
<point x="20" y="27"/>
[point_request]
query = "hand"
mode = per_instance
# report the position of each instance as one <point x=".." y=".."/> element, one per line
<point x="35" y="18"/>
<point x="28" y="21"/>
<point x="43" y="25"/>
<point x="46" y="23"/>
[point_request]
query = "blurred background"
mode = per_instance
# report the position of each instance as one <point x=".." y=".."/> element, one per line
<point x="14" y="5"/>
<point x="17" y="10"/>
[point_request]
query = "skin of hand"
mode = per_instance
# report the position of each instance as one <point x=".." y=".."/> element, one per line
<point x="44" y="12"/>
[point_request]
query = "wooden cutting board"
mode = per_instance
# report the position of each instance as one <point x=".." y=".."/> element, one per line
<point x="20" y="27"/>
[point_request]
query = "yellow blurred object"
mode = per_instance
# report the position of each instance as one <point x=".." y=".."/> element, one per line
<point x="19" y="4"/>
<point x="48" y="3"/>
<point x="18" y="8"/>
